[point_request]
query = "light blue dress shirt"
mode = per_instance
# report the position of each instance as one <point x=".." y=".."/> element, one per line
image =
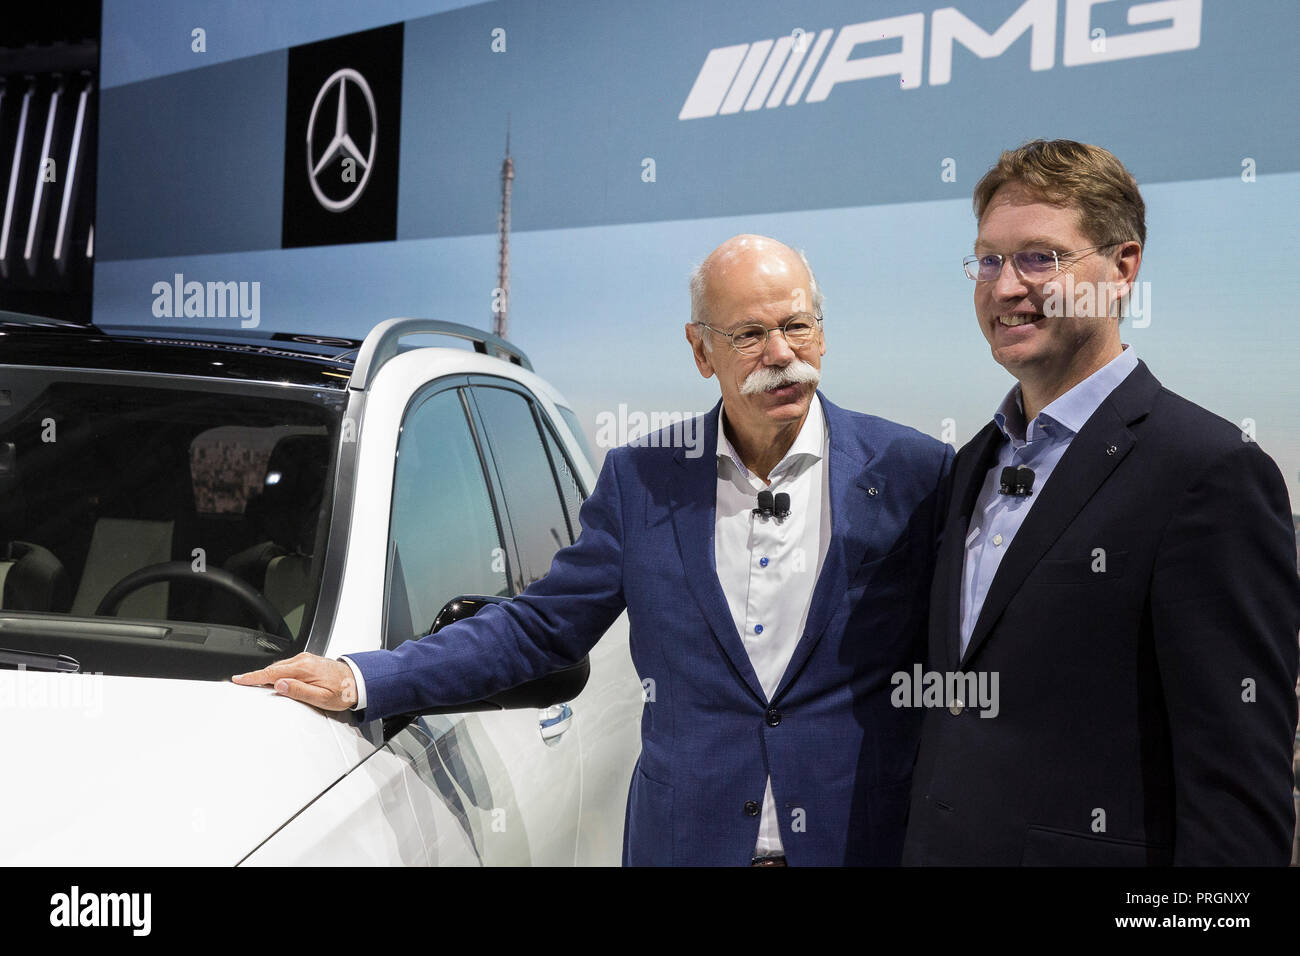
<point x="996" y="518"/>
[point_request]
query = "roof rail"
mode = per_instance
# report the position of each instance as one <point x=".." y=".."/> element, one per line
<point x="381" y="345"/>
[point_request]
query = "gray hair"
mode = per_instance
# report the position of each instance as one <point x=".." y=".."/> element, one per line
<point x="697" y="287"/>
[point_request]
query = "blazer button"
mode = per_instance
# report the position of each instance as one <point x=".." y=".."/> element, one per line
<point x="773" y="717"/>
<point x="956" y="707"/>
<point x="751" y="808"/>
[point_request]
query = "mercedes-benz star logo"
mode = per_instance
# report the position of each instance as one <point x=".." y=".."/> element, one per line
<point x="341" y="145"/>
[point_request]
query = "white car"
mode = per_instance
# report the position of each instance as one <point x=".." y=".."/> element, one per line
<point x="179" y="506"/>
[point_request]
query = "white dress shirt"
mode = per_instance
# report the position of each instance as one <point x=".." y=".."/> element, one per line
<point x="767" y="566"/>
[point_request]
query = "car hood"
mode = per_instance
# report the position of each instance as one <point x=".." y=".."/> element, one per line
<point x="129" y="771"/>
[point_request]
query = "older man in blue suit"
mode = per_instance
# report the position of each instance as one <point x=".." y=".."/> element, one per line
<point x="771" y="637"/>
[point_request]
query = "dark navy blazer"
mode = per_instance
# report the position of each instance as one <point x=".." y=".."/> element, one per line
<point x="1147" y="701"/>
<point x="839" y="755"/>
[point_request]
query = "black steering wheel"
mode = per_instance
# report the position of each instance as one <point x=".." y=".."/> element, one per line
<point x="266" y="614"/>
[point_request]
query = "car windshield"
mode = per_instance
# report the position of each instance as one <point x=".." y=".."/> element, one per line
<point x="160" y="526"/>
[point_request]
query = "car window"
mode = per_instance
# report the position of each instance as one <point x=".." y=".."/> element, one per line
<point x="443" y="534"/>
<point x="188" y="511"/>
<point x="537" y="514"/>
<point x="570" y="491"/>
<point x="575" y="426"/>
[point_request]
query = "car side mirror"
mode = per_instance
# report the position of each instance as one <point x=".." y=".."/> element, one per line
<point x="558" y="687"/>
<point x="457" y="609"/>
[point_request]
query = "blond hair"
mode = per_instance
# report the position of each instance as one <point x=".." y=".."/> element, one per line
<point x="1065" y="173"/>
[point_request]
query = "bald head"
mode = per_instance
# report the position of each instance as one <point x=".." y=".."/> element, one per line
<point x="758" y="285"/>
<point x="748" y="259"/>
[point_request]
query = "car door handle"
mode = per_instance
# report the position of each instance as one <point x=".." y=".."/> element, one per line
<point x="555" y="720"/>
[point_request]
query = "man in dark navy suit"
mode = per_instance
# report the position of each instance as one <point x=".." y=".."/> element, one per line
<point x="771" y="638"/>
<point x="1121" y="561"/>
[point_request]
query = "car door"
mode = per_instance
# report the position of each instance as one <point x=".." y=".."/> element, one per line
<point x="511" y="785"/>
<point x="543" y="496"/>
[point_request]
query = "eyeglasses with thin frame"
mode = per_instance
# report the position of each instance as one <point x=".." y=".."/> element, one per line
<point x="799" y="330"/>
<point x="1032" y="265"/>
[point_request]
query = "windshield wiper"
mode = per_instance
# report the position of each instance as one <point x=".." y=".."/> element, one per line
<point x="36" y="661"/>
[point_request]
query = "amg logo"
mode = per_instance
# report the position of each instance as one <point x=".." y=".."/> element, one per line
<point x="771" y="72"/>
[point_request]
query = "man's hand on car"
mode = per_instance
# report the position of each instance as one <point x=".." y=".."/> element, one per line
<point x="319" y="681"/>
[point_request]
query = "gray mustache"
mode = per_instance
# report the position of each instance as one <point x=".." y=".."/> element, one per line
<point x="765" y="377"/>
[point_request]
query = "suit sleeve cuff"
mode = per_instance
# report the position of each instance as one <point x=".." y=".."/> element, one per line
<point x="360" y="682"/>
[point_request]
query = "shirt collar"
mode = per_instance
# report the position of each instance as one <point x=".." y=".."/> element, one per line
<point x="809" y="444"/>
<point x="1071" y="410"/>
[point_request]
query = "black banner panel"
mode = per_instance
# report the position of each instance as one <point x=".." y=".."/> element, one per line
<point x="342" y="133"/>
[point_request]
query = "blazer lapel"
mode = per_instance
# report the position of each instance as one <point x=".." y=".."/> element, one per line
<point x="972" y="467"/>
<point x="1102" y="443"/>
<point x="851" y="484"/>
<point x="694" y="498"/>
